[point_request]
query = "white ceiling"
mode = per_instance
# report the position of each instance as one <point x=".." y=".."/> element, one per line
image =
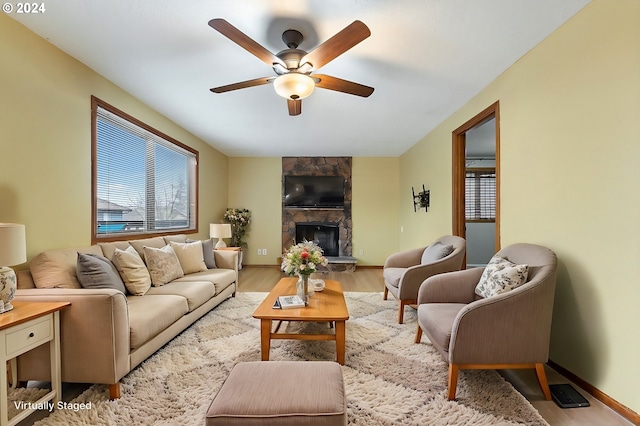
<point x="425" y="59"/>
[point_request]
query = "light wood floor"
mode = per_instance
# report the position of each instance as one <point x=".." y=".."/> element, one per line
<point x="263" y="279"/>
<point x="370" y="280"/>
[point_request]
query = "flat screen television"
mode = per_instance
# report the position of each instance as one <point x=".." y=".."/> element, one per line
<point x="322" y="192"/>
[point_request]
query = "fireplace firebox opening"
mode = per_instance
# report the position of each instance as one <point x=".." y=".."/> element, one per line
<point x="325" y="235"/>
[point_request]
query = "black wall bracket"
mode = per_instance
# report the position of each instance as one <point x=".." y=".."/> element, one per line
<point x="421" y="199"/>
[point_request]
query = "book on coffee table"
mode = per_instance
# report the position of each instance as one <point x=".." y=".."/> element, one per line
<point x="289" y="302"/>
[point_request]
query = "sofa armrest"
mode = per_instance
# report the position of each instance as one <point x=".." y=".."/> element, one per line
<point x="227" y="259"/>
<point x="404" y="259"/>
<point x="94" y="333"/>
<point x="450" y="287"/>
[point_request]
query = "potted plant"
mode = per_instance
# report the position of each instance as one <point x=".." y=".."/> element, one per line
<point x="239" y="220"/>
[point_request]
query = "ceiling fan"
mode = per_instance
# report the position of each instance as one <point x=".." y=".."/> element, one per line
<point x="294" y="67"/>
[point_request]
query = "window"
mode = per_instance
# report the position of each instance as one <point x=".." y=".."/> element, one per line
<point x="144" y="182"/>
<point x="480" y="195"/>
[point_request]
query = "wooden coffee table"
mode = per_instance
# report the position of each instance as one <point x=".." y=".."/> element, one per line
<point x="324" y="306"/>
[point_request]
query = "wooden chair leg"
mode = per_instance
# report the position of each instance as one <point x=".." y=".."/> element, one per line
<point x="453" y="381"/>
<point x="114" y="391"/>
<point x="386" y="293"/>
<point x="401" y="312"/>
<point x="542" y="381"/>
<point x="418" y="335"/>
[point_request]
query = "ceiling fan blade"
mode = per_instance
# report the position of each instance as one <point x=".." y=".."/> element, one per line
<point x="340" y="85"/>
<point x="337" y="45"/>
<point x="244" y="41"/>
<point x="295" y="106"/>
<point x="242" y="85"/>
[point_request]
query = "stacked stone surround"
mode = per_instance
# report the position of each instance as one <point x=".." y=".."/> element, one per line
<point x="318" y="166"/>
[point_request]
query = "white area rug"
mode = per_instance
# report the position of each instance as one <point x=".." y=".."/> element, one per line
<point x="389" y="379"/>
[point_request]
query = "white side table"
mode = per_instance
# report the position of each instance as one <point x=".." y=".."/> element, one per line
<point x="27" y="326"/>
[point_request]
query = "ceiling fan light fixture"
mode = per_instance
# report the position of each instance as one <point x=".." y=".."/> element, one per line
<point x="294" y="85"/>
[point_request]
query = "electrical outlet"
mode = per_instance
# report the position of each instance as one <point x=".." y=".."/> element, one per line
<point x="259" y="252"/>
<point x="264" y="252"/>
<point x="361" y="252"/>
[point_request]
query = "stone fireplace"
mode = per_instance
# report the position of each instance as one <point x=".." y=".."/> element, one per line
<point x="329" y="226"/>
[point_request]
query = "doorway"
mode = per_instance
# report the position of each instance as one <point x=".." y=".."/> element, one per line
<point x="476" y="185"/>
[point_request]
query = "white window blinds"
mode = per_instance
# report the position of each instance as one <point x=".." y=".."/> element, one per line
<point x="480" y="195"/>
<point x="144" y="182"/>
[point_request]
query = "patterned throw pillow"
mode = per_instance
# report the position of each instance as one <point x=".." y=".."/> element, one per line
<point x="133" y="271"/>
<point x="163" y="265"/>
<point x="501" y="276"/>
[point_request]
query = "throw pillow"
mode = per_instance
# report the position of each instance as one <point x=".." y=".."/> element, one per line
<point x="501" y="276"/>
<point x="207" y="251"/>
<point x="133" y="271"/>
<point x="435" y="251"/>
<point x="95" y="271"/>
<point x="163" y="265"/>
<point x="209" y="255"/>
<point x="190" y="255"/>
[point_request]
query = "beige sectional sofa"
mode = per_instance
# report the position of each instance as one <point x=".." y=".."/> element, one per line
<point x="106" y="332"/>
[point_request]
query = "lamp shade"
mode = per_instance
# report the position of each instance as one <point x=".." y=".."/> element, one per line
<point x="13" y="246"/>
<point x="220" y="230"/>
<point x="294" y="85"/>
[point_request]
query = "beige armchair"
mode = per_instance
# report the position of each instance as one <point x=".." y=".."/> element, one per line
<point x="504" y="331"/>
<point x="404" y="272"/>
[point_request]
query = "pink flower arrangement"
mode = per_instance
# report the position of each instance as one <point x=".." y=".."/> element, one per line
<point x="303" y="259"/>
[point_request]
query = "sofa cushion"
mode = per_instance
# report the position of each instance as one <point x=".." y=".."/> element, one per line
<point x="108" y="249"/>
<point x="95" y="271"/>
<point x="196" y="293"/>
<point x="139" y="245"/>
<point x="133" y="271"/>
<point x="57" y="268"/>
<point x="151" y="315"/>
<point x="393" y="275"/>
<point x="499" y="276"/>
<point x="179" y="238"/>
<point x="221" y="278"/>
<point x="436" y="319"/>
<point x="163" y="265"/>
<point x="190" y="255"/>
<point x="435" y="251"/>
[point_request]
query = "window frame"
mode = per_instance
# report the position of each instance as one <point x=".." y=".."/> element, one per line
<point x="95" y="237"/>
<point x="478" y="171"/>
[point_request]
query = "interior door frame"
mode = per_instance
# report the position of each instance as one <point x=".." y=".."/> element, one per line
<point x="459" y="166"/>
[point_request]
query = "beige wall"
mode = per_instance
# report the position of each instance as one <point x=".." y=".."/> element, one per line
<point x="45" y="113"/>
<point x="569" y="150"/>
<point x="374" y="212"/>
<point x="256" y="184"/>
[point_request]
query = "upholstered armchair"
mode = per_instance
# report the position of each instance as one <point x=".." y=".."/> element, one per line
<point x="404" y="272"/>
<point x="506" y="330"/>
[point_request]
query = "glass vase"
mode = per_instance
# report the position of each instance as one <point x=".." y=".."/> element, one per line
<point x="303" y="288"/>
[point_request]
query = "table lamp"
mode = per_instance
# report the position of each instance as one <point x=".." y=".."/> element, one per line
<point x="220" y="231"/>
<point x="13" y="252"/>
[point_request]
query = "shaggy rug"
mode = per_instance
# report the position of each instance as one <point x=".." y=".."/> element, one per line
<point x="389" y="379"/>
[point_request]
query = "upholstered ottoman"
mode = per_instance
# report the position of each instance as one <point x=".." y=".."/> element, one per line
<point x="281" y="393"/>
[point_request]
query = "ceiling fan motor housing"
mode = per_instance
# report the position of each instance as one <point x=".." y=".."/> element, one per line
<point x="291" y="58"/>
